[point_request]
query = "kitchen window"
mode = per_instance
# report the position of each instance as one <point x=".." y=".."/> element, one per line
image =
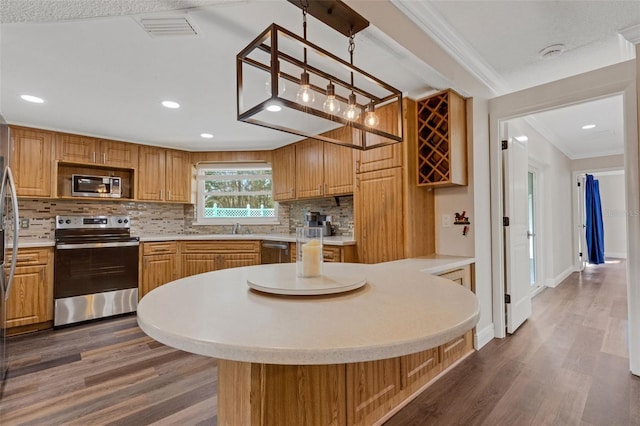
<point x="235" y="193"/>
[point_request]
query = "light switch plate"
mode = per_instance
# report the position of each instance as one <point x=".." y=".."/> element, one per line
<point x="446" y="221"/>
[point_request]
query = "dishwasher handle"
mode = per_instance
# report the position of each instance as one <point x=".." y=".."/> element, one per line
<point x="275" y="245"/>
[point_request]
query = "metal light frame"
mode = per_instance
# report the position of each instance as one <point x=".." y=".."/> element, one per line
<point x="363" y="137"/>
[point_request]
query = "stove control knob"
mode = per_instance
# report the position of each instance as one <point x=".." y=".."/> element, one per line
<point x="119" y="220"/>
<point x="126" y="221"/>
<point x="60" y="221"/>
<point x="68" y="221"/>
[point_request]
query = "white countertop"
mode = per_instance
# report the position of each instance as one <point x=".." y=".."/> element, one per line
<point x="400" y="310"/>
<point x="333" y="240"/>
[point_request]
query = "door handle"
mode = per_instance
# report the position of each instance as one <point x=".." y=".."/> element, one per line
<point x="530" y="234"/>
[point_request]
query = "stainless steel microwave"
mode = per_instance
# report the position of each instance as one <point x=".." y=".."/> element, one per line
<point x="96" y="186"/>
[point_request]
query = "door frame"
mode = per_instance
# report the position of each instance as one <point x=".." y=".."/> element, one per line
<point x="604" y="82"/>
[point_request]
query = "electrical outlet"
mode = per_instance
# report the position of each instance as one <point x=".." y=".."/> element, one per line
<point x="24" y="223"/>
<point x="446" y="221"/>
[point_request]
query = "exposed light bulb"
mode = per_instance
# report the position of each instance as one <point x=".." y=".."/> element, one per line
<point x="274" y="107"/>
<point x="352" y="112"/>
<point x="331" y="104"/>
<point x="31" y="98"/>
<point x="305" y="94"/>
<point x="371" y="119"/>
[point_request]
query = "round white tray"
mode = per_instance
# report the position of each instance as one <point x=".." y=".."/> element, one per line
<point x="282" y="279"/>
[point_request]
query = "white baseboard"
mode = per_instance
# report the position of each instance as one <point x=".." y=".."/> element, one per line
<point x="617" y="255"/>
<point x="553" y="282"/>
<point x="483" y="336"/>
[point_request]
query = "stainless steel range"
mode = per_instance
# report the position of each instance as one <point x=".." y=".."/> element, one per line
<point x="96" y="268"/>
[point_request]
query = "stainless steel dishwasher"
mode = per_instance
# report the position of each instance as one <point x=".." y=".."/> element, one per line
<point x="275" y="252"/>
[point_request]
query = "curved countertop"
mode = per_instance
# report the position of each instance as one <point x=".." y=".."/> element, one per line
<point x="401" y="310"/>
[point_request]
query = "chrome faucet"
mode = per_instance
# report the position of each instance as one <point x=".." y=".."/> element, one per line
<point x="234" y="229"/>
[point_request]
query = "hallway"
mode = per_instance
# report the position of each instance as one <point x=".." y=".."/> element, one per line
<point x="567" y="365"/>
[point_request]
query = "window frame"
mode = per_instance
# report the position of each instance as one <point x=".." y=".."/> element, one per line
<point x="200" y="195"/>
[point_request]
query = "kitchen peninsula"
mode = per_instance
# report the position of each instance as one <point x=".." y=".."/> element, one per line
<point x="316" y="359"/>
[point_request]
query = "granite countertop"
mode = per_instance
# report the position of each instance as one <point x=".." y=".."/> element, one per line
<point x="400" y="310"/>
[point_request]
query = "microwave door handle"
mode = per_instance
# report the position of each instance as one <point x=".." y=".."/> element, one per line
<point x="16" y="230"/>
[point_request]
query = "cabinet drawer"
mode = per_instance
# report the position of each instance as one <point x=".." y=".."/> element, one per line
<point x="164" y="247"/>
<point x="32" y="256"/>
<point x="220" y="247"/>
<point x="331" y="254"/>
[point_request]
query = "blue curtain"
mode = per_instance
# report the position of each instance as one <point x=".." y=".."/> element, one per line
<point x="595" y="230"/>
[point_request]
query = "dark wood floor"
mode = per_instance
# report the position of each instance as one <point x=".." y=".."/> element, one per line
<point x="567" y="365"/>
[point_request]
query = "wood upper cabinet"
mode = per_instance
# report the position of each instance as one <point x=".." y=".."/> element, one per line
<point x="338" y="170"/>
<point x="178" y="176"/>
<point x="379" y="211"/>
<point x="30" y="299"/>
<point x="309" y="169"/>
<point x="387" y="156"/>
<point x="31" y="161"/>
<point x="158" y="265"/>
<point x="87" y="150"/>
<point x="284" y="173"/>
<point x="163" y="175"/>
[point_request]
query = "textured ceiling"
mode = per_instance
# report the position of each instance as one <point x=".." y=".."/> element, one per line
<point x="12" y="11"/>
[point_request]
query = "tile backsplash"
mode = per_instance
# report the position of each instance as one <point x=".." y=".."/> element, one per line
<point x="164" y="218"/>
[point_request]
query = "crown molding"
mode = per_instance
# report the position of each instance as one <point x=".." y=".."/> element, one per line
<point x="631" y="33"/>
<point x="431" y="22"/>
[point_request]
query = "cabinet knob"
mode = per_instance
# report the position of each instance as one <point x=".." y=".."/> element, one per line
<point x="104" y="158"/>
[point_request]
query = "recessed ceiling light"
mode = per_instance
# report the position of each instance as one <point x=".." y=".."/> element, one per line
<point x="170" y="104"/>
<point x="206" y="135"/>
<point x="588" y="126"/>
<point x="30" y="98"/>
<point x="522" y="138"/>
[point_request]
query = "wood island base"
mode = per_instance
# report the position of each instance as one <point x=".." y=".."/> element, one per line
<point x="360" y="393"/>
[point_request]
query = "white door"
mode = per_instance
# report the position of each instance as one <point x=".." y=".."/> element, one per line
<point x="516" y="243"/>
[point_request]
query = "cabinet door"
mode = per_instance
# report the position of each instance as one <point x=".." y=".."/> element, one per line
<point x="419" y="367"/>
<point x="118" y="154"/>
<point x="338" y="170"/>
<point x="29" y="301"/>
<point x="157" y="270"/>
<point x="178" y="176"/>
<point x="76" y="149"/>
<point x="309" y="169"/>
<point x="151" y="174"/>
<point x="379" y="158"/>
<point x="284" y="173"/>
<point x="371" y="387"/>
<point x="31" y="159"/>
<point x="193" y="264"/>
<point x="379" y="224"/>
<point x="234" y="260"/>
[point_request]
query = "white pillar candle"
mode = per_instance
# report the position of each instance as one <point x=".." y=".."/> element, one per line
<point x="311" y="258"/>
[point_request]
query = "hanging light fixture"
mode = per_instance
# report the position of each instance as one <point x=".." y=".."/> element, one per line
<point x="353" y="98"/>
<point x="331" y="105"/>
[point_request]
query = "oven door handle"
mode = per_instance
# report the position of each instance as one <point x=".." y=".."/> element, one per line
<point x="96" y="245"/>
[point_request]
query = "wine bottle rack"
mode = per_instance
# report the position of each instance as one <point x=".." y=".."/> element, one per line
<point x="442" y="140"/>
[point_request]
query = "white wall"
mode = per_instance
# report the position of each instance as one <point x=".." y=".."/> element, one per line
<point x="614" y="218"/>
<point x="609" y="162"/>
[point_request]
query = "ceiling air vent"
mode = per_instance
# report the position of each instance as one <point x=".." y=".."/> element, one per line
<point x="168" y="26"/>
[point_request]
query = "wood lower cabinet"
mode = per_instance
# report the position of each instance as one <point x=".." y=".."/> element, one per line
<point x="330" y="253"/>
<point x="371" y="389"/>
<point x="159" y="264"/>
<point x="31" y="161"/>
<point x="198" y="257"/>
<point x="30" y="302"/>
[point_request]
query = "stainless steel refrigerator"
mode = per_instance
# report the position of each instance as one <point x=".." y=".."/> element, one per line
<point x="8" y="232"/>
